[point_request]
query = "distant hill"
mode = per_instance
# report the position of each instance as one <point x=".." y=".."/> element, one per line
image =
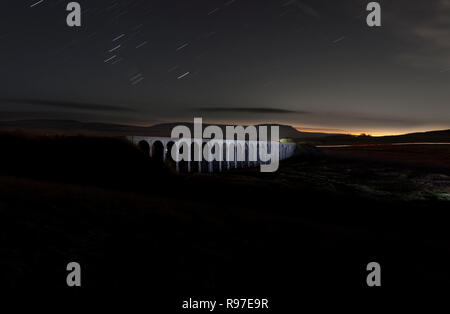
<point x="432" y="136"/>
<point x="108" y="129"/>
<point x="442" y="136"/>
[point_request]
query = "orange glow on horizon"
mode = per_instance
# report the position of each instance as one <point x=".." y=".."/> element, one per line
<point x="374" y="133"/>
<point x="356" y="133"/>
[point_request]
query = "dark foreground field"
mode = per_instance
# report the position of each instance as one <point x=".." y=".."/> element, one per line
<point x="132" y="224"/>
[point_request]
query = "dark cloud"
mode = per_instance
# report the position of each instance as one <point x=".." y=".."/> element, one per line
<point x="44" y="115"/>
<point x="251" y="110"/>
<point x="361" y="120"/>
<point x="66" y="105"/>
<point x="427" y="30"/>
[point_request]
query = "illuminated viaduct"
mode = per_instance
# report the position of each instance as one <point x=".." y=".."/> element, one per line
<point x="159" y="148"/>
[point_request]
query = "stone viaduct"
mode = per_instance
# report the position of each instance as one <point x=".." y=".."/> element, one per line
<point x="159" y="148"/>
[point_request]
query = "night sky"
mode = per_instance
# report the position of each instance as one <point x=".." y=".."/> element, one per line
<point x="312" y="64"/>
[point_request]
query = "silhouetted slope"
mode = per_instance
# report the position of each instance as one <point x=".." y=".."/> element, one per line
<point x="84" y="160"/>
<point x="243" y="231"/>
